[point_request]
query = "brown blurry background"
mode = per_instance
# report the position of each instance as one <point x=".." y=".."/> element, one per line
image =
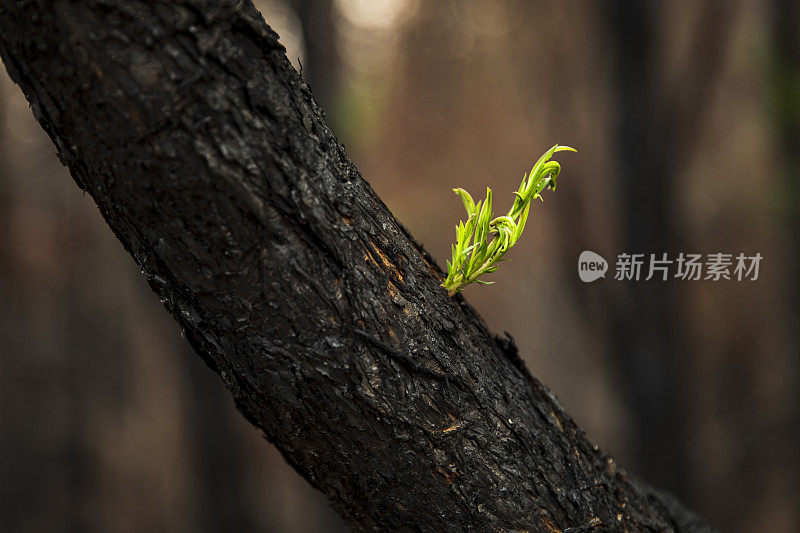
<point x="687" y="117"/>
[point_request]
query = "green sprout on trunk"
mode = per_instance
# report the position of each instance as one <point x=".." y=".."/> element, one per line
<point x="473" y="253"/>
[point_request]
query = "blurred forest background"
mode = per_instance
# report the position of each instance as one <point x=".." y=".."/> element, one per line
<point x="687" y="117"/>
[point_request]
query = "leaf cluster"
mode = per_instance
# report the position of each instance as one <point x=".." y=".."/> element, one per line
<point x="474" y="254"/>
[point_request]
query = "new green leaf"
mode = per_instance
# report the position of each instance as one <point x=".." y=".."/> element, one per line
<point x="474" y="254"/>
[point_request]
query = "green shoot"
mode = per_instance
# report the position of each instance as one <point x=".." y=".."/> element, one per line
<point x="473" y="253"/>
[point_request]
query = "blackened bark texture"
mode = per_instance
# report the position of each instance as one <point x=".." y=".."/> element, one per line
<point x="207" y="156"/>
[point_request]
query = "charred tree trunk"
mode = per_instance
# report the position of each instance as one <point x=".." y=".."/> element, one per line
<point x="209" y="159"/>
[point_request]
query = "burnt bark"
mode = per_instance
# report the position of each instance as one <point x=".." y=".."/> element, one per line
<point x="209" y="159"/>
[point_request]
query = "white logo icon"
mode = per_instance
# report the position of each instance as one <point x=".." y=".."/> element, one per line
<point x="591" y="266"/>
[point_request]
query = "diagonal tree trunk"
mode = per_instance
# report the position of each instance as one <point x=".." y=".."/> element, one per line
<point x="207" y="156"/>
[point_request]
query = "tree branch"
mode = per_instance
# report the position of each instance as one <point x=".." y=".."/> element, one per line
<point x="210" y="161"/>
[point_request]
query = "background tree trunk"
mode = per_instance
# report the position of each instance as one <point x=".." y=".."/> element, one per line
<point x="208" y="157"/>
<point x="649" y="342"/>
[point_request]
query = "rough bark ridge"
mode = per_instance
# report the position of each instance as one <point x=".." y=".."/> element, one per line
<point x="207" y="156"/>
